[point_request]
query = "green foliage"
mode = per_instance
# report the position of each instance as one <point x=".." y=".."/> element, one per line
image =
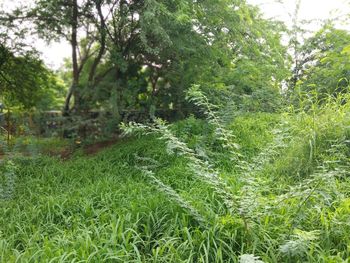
<point x="25" y="81"/>
<point x="32" y="146"/>
<point x="145" y="55"/>
<point x="248" y="187"/>
<point x="277" y="192"/>
<point x="296" y="213"/>
<point x="7" y="179"/>
<point x="324" y="62"/>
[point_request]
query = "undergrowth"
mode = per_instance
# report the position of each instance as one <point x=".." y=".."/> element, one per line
<point x="265" y="188"/>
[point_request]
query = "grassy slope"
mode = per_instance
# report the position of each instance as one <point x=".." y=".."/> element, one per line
<point x="101" y="209"/>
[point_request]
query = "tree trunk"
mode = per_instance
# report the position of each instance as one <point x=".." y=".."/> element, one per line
<point x="66" y="108"/>
<point x="73" y="90"/>
<point x="103" y="33"/>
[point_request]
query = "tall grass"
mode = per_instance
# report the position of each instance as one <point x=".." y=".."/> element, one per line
<point x="181" y="193"/>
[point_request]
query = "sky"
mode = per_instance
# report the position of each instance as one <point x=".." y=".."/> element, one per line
<point x="310" y="9"/>
<point x="315" y="10"/>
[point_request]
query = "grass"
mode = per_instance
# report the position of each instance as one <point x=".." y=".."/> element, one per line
<point x="102" y="208"/>
<point x="31" y="145"/>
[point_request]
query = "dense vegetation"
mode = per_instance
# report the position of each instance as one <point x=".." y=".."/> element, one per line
<point x="289" y="189"/>
<point x="249" y="161"/>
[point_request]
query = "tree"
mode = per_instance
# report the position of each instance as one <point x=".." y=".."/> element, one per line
<point x="258" y="63"/>
<point x="57" y="19"/>
<point x="24" y="80"/>
<point x="144" y="54"/>
<point x="325" y="62"/>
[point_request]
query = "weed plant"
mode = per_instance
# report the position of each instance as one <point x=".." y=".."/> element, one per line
<point x="265" y="188"/>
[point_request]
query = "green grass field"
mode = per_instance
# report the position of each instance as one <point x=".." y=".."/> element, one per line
<point x="293" y="205"/>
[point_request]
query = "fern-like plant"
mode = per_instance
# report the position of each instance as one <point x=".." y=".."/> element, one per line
<point x="7" y="179"/>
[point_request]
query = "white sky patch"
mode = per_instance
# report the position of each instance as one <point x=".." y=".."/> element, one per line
<point x="54" y="53"/>
<point x="316" y="10"/>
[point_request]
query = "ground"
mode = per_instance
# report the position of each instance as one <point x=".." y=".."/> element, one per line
<point x="98" y="205"/>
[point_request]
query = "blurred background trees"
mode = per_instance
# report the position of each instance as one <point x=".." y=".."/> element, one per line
<point x="142" y="56"/>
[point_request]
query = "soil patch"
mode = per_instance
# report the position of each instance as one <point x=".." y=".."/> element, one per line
<point x="65" y="154"/>
<point x="99" y="146"/>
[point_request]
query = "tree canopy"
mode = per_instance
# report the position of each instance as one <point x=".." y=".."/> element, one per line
<point x="325" y="62"/>
<point x="132" y="55"/>
<point x="146" y="54"/>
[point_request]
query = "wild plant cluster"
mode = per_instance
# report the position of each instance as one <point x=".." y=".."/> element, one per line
<point x="262" y="188"/>
<point x="7" y="179"/>
<point x="259" y="198"/>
